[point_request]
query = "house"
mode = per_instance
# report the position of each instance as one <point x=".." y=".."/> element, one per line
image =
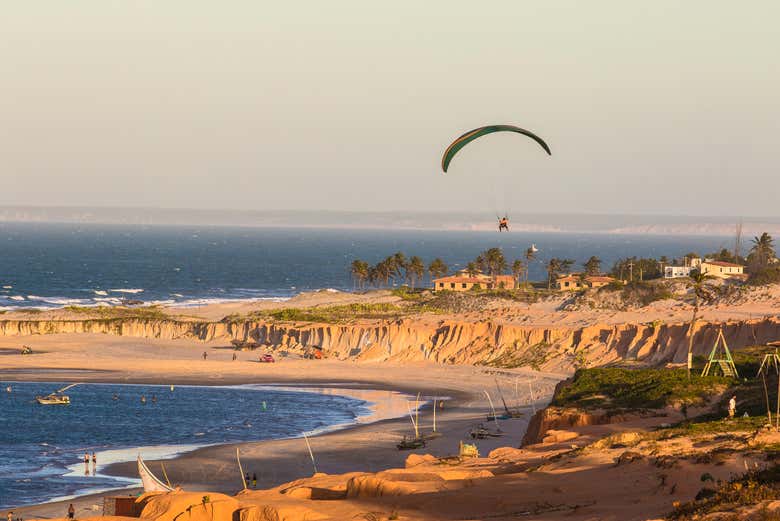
<point x="676" y="272"/>
<point x="723" y="270"/>
<point x="462" y="281"/>
<point x="720" y="269"/>
<point x="576" y="281"/>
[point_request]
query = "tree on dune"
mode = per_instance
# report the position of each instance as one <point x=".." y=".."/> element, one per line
<point x="415" y="270"/>
<point x="702" y="291"/>
<point x="491" y="261"/>
<point x="592" y="266"/>
<point x="437" y="268"/>
<point x="762" y="252"/>
<point x="360" y="272"/>
<point x="518" y="268"/>
<point x="556" y="267"/>
<point x="530" y="256"/>
<point x="471" y="269"/>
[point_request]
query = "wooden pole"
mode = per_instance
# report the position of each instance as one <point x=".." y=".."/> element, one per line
<point x="495" y="417"/>
<point x="240" y="468"/>
<point x="311" y="454"/>
<point x="436" y="402"/>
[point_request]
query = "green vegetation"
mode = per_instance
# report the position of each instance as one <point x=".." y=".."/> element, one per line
<point x="748" y="489"/>
<point x="116" y="312"/>
<point x="639" y="293"/>
<point x="635" y="389"/>
<point x="534" y="356"/>
<point x="330" y="314"/>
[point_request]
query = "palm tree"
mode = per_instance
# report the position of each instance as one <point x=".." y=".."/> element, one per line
<point x="471" y="269"/>
<point x="359" y="270"/>
<point x="518" y="268"/>
<point x="763" y="250"/>
<point x="415" y="269"/>
<point x="492" y="261"/>
<point x="530" y="255"/>
<point x="553" y="268"/>
<point x="592" y="266"/>
<point x="437" y="268"/>
<point x="702" y="290"/>
<point x="398" y="263"/>
<point x="382" y="272"/>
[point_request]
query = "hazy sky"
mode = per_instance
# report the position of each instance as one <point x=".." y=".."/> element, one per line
<point x="649" y="107"/>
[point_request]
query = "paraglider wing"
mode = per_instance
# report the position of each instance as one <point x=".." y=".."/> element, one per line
<point x="470" y="136"/>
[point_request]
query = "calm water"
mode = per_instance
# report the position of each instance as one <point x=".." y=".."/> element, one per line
<point x="41" y="447"/>
<point x="54" y="265"/>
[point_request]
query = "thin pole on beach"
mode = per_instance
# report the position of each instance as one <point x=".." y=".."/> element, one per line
<point x="240" y="468"/>
<point x="766" y="393"/>
<point x="417" y="411"/>
<point x="777" y="416"/>
<point x="411" y="418"/>
<point x="533" y="400"/>
<point x="311" y="454"/>
<point x="495" y="416"/>
<point x="436" y="401"/>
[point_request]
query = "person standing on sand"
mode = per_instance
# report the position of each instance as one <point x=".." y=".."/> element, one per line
<point x="732" y="407"/>
<point x="94" y="463"/>
<point x="204" y="355"/>
<point x="10" y="515"/>
<point x="254" y="480"/>
<point x="235" y="356"/>
<point x="71" y="511"/>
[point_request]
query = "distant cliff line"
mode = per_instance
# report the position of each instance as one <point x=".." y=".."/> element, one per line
<point x="398" y="220"/>
<point x="447" y="342"/>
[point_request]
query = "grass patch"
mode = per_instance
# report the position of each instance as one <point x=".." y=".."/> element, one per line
<point x="326" y="314"/>
<point x="534" y="356"/>
<point x="745" y="490"/>
<point x="117" y="312"/>
<point x="622" y="388"/>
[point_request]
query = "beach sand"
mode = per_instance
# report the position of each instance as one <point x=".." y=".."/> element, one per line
<point x="371" y="447"/>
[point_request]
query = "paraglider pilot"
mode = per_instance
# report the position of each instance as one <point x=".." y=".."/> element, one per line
<point x="503" y="224"/>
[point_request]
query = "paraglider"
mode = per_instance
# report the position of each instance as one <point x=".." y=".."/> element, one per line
<point x="468" y="137"/>
<point x="471" y="135"/>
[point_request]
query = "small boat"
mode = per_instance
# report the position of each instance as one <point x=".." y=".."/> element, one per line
<point x="57" y="397"/>
<point x="411" y="443"/>
<point x="151" y="482"/>
<point x="480" y="432"/>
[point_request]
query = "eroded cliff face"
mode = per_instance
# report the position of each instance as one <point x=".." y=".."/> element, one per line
<point x="446" y="341"/>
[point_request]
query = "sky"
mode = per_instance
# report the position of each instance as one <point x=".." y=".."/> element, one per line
<point x="662" y="107"/>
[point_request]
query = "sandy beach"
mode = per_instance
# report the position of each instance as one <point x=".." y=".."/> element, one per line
<point x="369" y="447"/>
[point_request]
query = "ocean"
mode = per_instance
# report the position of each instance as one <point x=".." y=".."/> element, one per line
<point x="53" y="265"/>
<point x="42" y="446"/>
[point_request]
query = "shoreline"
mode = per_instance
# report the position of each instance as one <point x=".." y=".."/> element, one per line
<point x="290" y="460"/>
<point x="171" y="451"/>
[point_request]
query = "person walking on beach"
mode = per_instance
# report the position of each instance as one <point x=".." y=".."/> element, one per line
<point x="732" y="407"/>
<point x="204" y="355"/>
<point x="86" y="463"/>
<point x="10" y="516"/>
<point x="234" y="356"/>
<point x="94" y="463"/>
<point x="71" y="511"/>
<point x="254" y="480"/>
<point x="247" y="479"/>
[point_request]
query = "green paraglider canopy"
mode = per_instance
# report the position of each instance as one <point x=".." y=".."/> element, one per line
<point x="471" y="135"/>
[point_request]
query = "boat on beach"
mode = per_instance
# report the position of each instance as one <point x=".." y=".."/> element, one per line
<point x="57" y="397"/>
<point x="151" y="482"/>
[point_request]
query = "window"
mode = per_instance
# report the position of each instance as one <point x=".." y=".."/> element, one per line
<point x="441" y="284"/>
<point x="452" y="285"/>
<point x="463" y="285"/>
